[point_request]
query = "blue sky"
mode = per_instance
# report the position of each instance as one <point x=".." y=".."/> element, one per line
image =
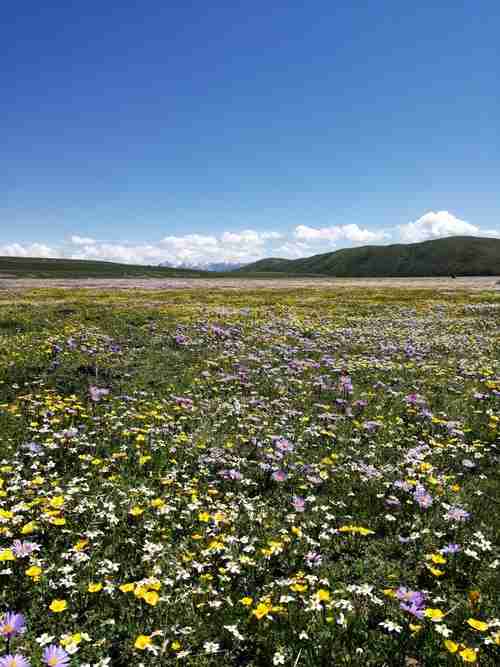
<point x="186" y="131"/>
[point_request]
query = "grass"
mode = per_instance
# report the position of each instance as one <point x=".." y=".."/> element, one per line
<point x="33" y="267"/>
<point x="458" y="255"/>
<point x="262" y="478"/>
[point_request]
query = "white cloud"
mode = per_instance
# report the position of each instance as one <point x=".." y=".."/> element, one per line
<point x="244" y="246"/>
<point x="436" y="224"/>
<point x="27" y="250"/>
<point x="82" y="240"/>
<point x="351" y="232"/>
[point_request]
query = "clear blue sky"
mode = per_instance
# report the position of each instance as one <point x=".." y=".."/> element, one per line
<point x="138" y="120"/>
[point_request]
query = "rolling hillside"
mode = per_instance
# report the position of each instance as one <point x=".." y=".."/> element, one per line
<point x="458" y="255"/>
<point x="25" y="267"/>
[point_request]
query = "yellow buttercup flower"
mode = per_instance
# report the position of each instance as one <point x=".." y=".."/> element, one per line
<point x="151" y="598"/>
<point x="247" y="601"/>
<point x="58" y="605"/>
<point x="438" y="559"/>
<point x="468" y="655"/>
<point x="136" y="511"/>
<point x="262" y="610"/>
<point x="28" y="528"/>
<point x="451" y="646"/>
<point x="435" y="615"/>
<point x="34" y="572"/>
<point x="477" y="625"/>
<point x="94" y="588"/>
<point x="323" y="595"/>
<point x="126" y="588"/>
<point x="7" y="554"/>
<point x="57" y="502"/>
<point x="142" y="642"/>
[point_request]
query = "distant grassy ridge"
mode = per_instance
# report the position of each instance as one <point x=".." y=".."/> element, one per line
<point x="458" y="255"/>
<point x="31" y="267"/>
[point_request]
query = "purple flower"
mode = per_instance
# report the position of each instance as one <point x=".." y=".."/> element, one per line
<point x="423" y="498"/>
<point x="457" y="514"/>
<point x="279" y="476"/>
<point x="16" y="660"/>
<point x="411" y="601"/>
<point x="284" y="445"/>
<point x="25" y="548"/>
<point x="298" y="503"/>
<point x="12" y="624"/>
<point x="96" y="393"/>
<point x="313" y="558"/>
<point x="55" y="656"/>
<point x="451" y="549"/>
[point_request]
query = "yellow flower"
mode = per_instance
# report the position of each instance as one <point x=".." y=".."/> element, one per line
<point x="6" y="515"/>
<point x="28" y="528"/>
<point x="175" y="645"/>
<point x="34" y="571"/>
<point x="57" y="521"/>
<point x="151" y="598"/>
<point x="94" y="588"/>
<point x="57" y="502"/>
<point x="142" y="642"/>
<point x="127" y="588"/>
<point x="389" y="592"/>
<point x="451" y="646"/>
<point x="136" y="511"/>
<point x="7" y="554"/>
<point x="247" y="601"/>
<point x="140" y="591"/>
<point x="298" y="588"/>
<point x="144" y="459"/>
<point x="435" y="571"/>
<point x="478" y="625"/>
<point x="204" y="517"/>
<point x="262" y="610"/>
<point x="438" y="559"/>
<point x="468" y="655"/>
<point x="80" y="545"/>
<point x="435" y="615"/>
<point x="415" y="628"/>
<point x="323" y="595"/>
<point x="58" y="605"/>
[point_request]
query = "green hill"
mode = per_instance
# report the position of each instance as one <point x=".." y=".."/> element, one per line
<point x="28" y="267"/>
<point x="458" y="255"/>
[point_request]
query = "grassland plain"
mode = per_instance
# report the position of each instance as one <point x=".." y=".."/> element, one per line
<point x="200" y="477"/>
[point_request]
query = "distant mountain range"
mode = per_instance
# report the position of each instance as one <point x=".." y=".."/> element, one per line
<point x="455" y="255"/>
<point x="219" y="267"/>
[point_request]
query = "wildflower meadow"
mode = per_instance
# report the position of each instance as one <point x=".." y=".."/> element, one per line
<point x="249" y="478"/>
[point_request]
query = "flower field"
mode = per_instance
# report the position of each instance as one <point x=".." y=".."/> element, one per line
<point x="246" y="478"/>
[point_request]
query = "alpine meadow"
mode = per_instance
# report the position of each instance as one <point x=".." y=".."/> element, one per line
<point x="261" y="477"/>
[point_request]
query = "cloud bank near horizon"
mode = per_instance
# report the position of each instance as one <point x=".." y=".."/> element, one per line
<point x="248" y="245"/>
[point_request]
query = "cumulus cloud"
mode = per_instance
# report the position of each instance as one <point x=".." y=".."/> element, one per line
<point x="436" y="224"/>
<point x="27" y="250"/>
<point x="351" y="232"/>
<point x="244" y="246"/>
